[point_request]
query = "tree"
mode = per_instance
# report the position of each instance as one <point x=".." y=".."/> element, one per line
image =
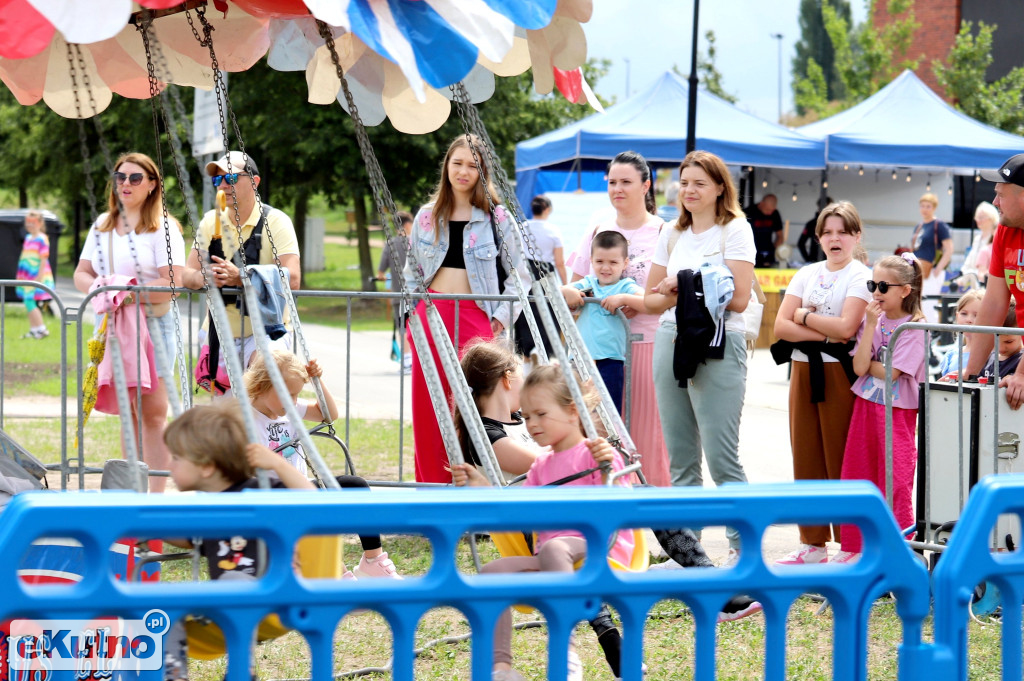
<point x="707" y="72"/>
<point x="866" y="59"/>
<point x="999" y="103"/>
<point x="815" y="46"/>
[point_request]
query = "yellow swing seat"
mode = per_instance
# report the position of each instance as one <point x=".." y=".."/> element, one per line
<point x="319" y="558"/>
<point x="514" y="544"/>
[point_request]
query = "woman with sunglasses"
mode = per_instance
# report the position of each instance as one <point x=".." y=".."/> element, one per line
<point x="132" y="238"/>
<point x="822" y="310"/>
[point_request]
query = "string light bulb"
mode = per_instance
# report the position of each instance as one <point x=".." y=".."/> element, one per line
<point x="894" y="174"/>
<point x="824" y="185"/>
<point x="794" y="193"/>
<point x="977" y="176"/>
<point x="764" y="184"/>
<point x="846" y="166"/>
<point x="861" y="171"/>
<point x="908" y="177"/>
<point x="928" y="187"/>
<point x="950" y="190"/>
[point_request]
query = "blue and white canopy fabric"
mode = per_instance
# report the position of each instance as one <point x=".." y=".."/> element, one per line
<point x="399" y="56"/>
<point x="653" y="123"/>
<point x="905" y="124"/>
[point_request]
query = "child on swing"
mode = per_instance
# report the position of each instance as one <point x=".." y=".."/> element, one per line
<point x="552" y="420"/>
<point x="494" y="374"/>
<point x="268" y="410"/>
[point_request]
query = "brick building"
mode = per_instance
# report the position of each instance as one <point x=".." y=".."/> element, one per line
<point x="940" y="22"/>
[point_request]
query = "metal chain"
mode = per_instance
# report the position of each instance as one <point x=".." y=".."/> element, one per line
<point x="503" y="249"/>
<point x="128" y="439"/>
<point x="386" y="208"/>
<point x="145" y="27"/>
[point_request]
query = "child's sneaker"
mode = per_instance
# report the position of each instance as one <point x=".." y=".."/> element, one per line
<point x="349" y="576"/>
<point x="381" y="566"/>
<point x="739" y="607"/>
<point x="507" y="675"/>
<point x="732" y="558"/>
<point x="847" y="557"/>
<point x="807" y="554"/>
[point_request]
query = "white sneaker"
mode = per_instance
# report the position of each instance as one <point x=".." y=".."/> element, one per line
<point x="667" y="565"/>
<point x="732" y="558"/>
<point x="575" y="671"/>
<point x="847" y="557"/>
<point x="807" y="554"/>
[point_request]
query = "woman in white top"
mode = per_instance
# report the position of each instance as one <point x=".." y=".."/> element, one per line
<point x="706" y="412"/>
<point x="822" y="309"/>
<point x="126" y="243"/>
<point x="975" y="268"/>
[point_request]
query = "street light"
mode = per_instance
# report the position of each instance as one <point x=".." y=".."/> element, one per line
<point x="778" y="36"/>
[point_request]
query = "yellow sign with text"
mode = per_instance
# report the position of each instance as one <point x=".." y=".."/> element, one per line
<point x="773" y="280"/>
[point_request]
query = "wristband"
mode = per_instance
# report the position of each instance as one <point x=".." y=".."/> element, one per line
<point x="806" y="315"/>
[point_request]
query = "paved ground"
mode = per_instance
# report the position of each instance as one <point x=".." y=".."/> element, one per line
<point x="375" y="387"/>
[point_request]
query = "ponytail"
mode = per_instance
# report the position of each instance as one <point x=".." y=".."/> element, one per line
<point x="909" y="270"/>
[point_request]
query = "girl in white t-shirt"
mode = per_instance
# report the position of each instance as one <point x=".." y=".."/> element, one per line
<point x="823" y="306"/>
<point x="277" y="430"/>
<point x="706" y="412"/>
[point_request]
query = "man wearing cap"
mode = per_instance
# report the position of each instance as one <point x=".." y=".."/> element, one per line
<point x="239" y="177"/>
<point x="1006" y="271"/>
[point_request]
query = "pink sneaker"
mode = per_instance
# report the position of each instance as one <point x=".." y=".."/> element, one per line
<point x="349" y="576"/>
<point x="381" y="566"/>
<point x="847" y="557"/>
<point x="807" y="554"/>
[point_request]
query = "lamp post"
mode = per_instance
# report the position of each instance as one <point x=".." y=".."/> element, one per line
<point x="778" y="36"/>
<point x="691" y="114"/>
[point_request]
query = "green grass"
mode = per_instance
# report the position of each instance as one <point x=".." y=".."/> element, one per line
<point x="30" y="366"/>
<point x="342" y="273"/>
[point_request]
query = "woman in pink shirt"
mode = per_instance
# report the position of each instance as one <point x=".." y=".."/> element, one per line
<point x="632" y="195"/>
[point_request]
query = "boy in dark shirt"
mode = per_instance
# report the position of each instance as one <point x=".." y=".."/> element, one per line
<point x="1009" y="349"/>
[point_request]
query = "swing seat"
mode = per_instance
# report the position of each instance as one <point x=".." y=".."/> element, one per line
<point x="514" y="544"/>
<point x="319" y="558"/>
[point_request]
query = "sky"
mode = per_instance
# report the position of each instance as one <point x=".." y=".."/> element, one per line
<point x="655" y="34"/>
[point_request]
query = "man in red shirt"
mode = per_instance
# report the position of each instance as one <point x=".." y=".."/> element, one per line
<point x="1006" y="272"/>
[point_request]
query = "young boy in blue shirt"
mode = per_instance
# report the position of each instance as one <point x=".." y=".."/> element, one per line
<point x="603" y="331"/>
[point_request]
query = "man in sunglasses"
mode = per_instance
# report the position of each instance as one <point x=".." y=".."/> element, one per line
<point x="1006" y="270"/>
<point x="261" y="233"/>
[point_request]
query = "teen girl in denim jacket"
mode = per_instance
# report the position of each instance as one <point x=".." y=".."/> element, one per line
<point x="458" y="213"/>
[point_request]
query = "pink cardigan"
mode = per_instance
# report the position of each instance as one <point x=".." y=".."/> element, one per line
<point x="131" y="336"/>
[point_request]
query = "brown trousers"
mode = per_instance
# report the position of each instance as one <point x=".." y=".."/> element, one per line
<point x="817" y="433"/>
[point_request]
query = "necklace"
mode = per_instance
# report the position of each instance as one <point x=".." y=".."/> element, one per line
<point x="886" y="333"/>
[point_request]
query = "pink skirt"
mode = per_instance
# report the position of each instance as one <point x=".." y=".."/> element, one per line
<point x="645" y="422"/>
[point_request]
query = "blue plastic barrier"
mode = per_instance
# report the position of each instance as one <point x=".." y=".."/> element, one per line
<point x="970" y="561"/>
<point x="444" y="516"/>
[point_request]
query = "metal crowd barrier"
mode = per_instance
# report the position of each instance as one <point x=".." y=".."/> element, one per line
<point x="966" y="432"/>
<point x="314" y="608"/>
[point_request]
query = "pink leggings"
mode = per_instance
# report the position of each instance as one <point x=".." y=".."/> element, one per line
<point x="430" y="455"/>
<point x="557" y="555"/>
<point x="864" y="459"/>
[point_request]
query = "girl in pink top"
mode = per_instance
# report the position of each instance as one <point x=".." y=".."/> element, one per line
<point x="552" y="420"/>
<point x="896" y="299"/>
<point x="631" y="192"/>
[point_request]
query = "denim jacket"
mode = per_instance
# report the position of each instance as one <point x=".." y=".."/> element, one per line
<point x="481" y="255"/>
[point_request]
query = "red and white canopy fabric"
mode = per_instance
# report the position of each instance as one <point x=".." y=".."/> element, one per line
<point x="399" y="56"/>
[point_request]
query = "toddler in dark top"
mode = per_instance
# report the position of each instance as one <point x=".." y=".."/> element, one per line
<point x="1010" y="349"/>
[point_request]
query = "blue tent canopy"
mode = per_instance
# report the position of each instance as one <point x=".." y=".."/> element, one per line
<point x="653" y="122"/>
<point x="906" y="124"/>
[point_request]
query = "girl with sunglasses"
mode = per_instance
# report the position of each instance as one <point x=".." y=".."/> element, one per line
<point x="133" y="234"/>
<point x="823" y="307"/>
<point x="896" y="299"/>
